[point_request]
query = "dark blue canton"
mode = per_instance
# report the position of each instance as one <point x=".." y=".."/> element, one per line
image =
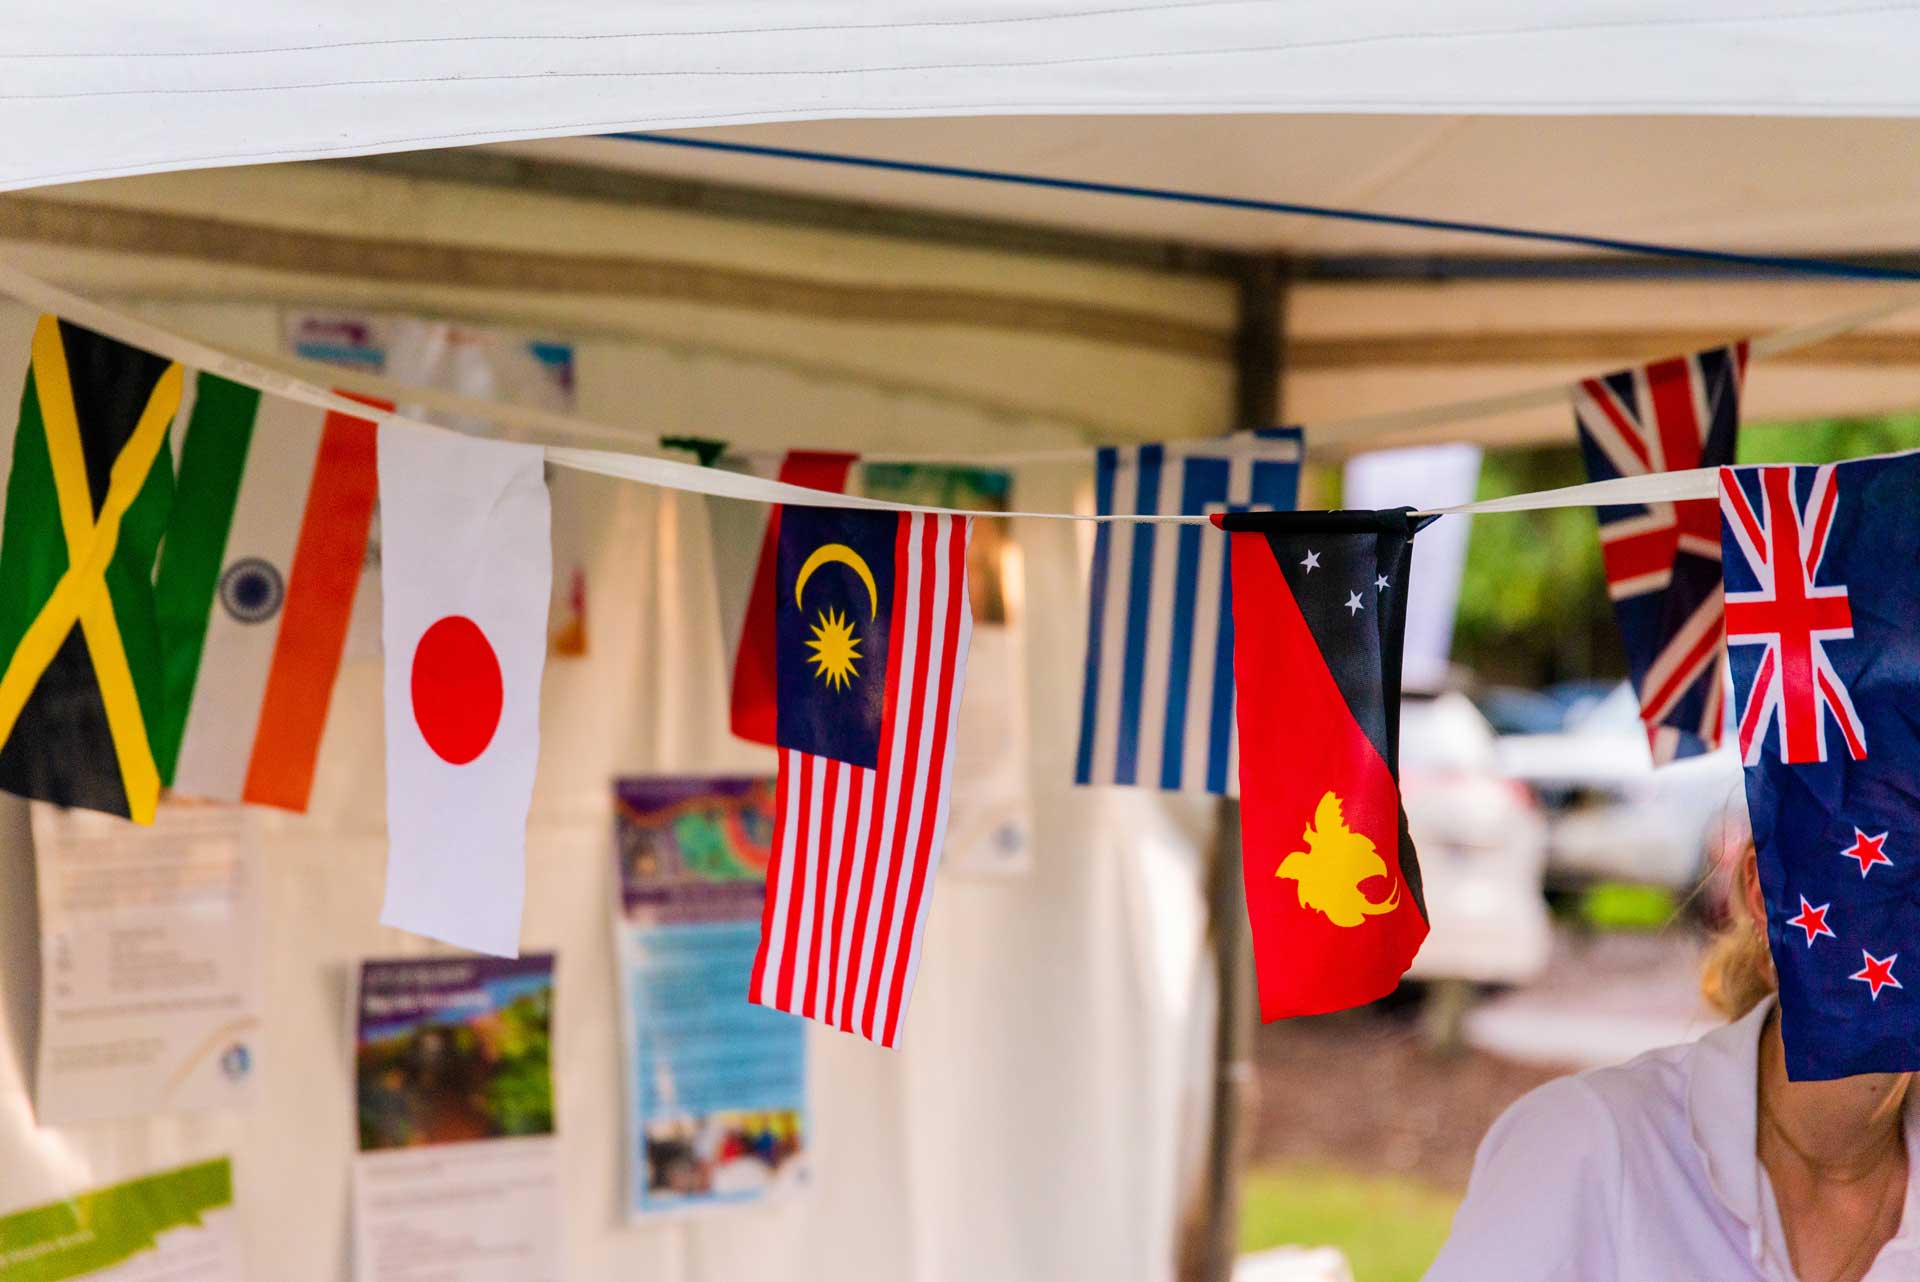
<point x="822" y="594"/>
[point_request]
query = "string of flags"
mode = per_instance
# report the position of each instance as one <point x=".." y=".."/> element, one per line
<point x="179" y="624"/>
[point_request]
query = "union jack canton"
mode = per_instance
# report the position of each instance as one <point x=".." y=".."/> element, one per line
<point x="1663" y="559"/>
<point x="1823" y="628"/>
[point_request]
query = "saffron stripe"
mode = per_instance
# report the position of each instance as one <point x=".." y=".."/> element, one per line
<point x="313" y="627"/>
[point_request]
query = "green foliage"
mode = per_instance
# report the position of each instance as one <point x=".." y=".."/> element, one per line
<point x="519" y="1094"/>
<point x="1533" y="600"/>
<point x="1390" y="1227"/>
<point x="1829" y="440"/>
<point x="1621" y="906"/>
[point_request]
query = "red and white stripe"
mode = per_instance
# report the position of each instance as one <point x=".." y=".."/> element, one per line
<point x="854" y="850"/>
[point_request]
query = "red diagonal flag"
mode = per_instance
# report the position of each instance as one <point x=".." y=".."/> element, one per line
<point x="1333" y="888"/>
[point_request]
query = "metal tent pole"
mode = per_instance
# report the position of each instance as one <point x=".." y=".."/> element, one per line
<point x="1258" y="346"/>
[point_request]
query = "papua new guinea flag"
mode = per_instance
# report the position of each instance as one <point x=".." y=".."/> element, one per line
<point x="1333" y="888"/>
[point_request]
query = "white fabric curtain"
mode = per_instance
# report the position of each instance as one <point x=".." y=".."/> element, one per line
<point x="101" y="87"/>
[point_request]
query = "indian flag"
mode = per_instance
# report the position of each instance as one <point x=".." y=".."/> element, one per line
<point x="255" y="588"/>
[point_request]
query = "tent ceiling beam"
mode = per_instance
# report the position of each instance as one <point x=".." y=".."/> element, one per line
<point x="229" y="242"/>
<point x="1538" y="346"/>
<point x="793" y="209"/>
<point x="1438" y="268"/>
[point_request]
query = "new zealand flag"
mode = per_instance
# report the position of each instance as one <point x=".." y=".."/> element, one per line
<point x="1823" y="629"/>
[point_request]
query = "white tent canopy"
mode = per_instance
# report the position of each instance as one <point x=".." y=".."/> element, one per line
<point x="98" y="88"/>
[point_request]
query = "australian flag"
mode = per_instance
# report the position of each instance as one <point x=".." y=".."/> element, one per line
<point x="1823" y="629"/>
<point x="1663" y="559"/>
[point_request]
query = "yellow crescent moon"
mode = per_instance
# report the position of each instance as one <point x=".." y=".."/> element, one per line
<point x="829" y="552"/>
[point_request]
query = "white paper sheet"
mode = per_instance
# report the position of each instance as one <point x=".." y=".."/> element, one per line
<point x="457" y="1176"/>
<point x="150" y="962"/>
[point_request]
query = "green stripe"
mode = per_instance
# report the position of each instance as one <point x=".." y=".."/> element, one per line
<point x="130" y="585"/>
<point x="100" y="1229"/>
<point x="212" y="461"/>
<point x="33" y="547"/>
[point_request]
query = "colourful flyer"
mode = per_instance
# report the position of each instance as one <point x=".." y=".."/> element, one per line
<point x="716" y="1087"/>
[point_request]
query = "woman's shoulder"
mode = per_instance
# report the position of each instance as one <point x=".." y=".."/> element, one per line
<point x="1649" y="1090"/>
<point x="1585" y="1124"/>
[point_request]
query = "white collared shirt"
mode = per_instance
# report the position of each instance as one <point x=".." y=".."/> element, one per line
<point x="1644" y="1171"/>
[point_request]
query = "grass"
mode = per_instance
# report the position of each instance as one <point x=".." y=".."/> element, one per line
<point x="1617" y="906"/>
<point x="1389" y="1227"/>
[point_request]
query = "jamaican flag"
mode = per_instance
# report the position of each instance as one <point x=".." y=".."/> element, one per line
<point x="87" y="503"/>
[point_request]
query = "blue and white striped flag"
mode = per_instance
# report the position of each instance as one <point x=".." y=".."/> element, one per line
<point x="1157" y="710"/>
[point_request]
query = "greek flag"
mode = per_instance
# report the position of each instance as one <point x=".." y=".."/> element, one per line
<point x="1157" y="709"/>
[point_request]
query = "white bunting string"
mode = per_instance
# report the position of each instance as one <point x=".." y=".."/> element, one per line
<point x="720" y="483"/>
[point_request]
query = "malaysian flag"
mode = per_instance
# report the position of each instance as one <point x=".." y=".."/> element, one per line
<point x="1663" y="559"/>
<point x="1157" y="707"/>
<point x="1823" y="625"/>
<point x="871" y="625"/>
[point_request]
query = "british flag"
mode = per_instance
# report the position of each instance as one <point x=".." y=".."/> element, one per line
<point x="1793" y="616"/>
<point x="1663" y="559"/>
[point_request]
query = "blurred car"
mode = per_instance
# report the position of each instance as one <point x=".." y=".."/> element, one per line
<point x="1482" y="847"/>
<point x="1611" y="815"/>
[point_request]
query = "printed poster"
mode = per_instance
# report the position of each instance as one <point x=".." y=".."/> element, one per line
<point x="176" y="1226"/>
<point x="485" y="364"/>
<point x="990" y="816"/>
<point x="716" y="1087"/>
<point x="458" y="1170"/>
<point x="150" y="962"/>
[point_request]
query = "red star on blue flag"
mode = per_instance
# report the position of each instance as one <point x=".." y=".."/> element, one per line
<point x="1877" y="973"/>
<point x="1812" y="920"/>
<point x="1868" y="850"/>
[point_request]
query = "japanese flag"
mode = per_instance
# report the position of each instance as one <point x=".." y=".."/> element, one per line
<point x="466" y="567"/>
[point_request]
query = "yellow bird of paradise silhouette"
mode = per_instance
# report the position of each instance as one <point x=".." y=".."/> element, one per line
<point x="1332" y="868"/>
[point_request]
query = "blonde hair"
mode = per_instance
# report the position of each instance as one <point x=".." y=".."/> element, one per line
<point x="1737" y="973"/>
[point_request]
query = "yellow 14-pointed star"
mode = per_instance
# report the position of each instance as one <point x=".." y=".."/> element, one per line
<point x="835" y="647"/>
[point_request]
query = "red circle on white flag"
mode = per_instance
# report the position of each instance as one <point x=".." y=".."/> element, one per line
<point x="457" y="691"/>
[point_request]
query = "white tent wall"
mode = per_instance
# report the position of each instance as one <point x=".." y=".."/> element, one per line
<point x="99" y="87"/>
<point x="1045" y="1117"/>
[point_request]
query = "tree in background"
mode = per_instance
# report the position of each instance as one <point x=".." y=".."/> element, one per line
<point x="1533" y="599"/>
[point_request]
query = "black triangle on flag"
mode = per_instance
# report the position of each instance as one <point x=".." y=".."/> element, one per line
<point x="1333" y="886"/>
